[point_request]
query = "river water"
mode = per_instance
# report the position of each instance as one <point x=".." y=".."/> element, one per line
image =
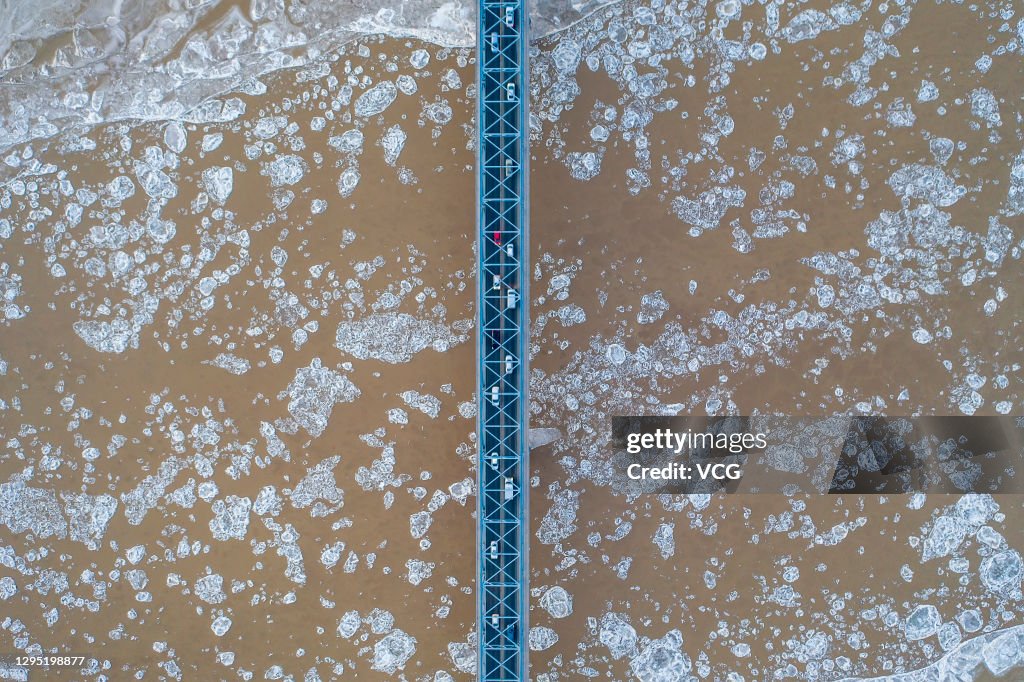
<point x="236" y="363"/>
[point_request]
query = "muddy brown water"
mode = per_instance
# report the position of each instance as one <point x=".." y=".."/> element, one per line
<point x="626" y="246"/>
<point x="620" y="247"/>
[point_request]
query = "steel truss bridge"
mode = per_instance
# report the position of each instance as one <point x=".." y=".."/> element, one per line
<point x="503" y="340"/>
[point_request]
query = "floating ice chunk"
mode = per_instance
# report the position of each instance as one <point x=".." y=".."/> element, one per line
<point x="285" y="170"/>
<point x="1002" y="572"/>
<point x="946" y="535"/>
<point x="8" y="588"/>
<point x="162" y="231"/>
<point x="348" y="181"/>
<point x="267" y="503"/>
<point x="119" y="189"/>
<point x="394" y="337"/>
<point x="350" y="141"/>
<point x="566" y="56"/>
<point x="463" y="656"/>
<point x="844" y="13"/>
<point x="218" y="182"/>
<point x="208" y="490"/>
<point x="924" y="621"/>
<point x="928" y="183"/>
<point x="807" y="25"/>
<point x="757" y="51"/>
<point x="10" y="290"/>
<point x="542" y="638"/>
<point x="826" y="295"/>
<point x="740" y="650"/>
<point x="664" y="539"/>
<point x="941" y="149"/>
<point x="380" y="621"/>
<point x="922" y="336"/>
<point x="1015" y="196"/>
<point x="318" y="485"/>
<point x="571" y="315"/>
<point x="557" y="602"/>
<point x="393" y="141"/>
<point x="211" y="141"/>
<point x="558" y="282"/>
<point x="418" y="570"/>
<point x="755" y="158"/>
<point x="662" y="660"/>
<point x="88" y="516"/>
<point x="976" y="508"/>
<point x="560" y="520"/>
<point x="461" y="490"/>
<point x="231" y="363"/>
<point x="221" y="625"/>
<point x="175" y="137"/>
<point x="427" y="404"/>
<point x="419" y="58"/>
<point x="135" y="554"/>
<point x="451" y="79"/>
<point x="618" y="635"/>
<point x="707" y="211"/>
<point x="848" y="149"/>
<point x="438" y="112"/>
<point x="314" y="392"/>
<point x="349" y="623"/>
<point x="949" y="636"/>
<point x="148" y="492"/>
<point x="419" y="524"/>
<point x="971" y="620"/>
<point x="154" y="181"/>
<point x="330" y="557"/>
<point x="900" y="114"/>
<point x="583" y="165"/>
<point x="391" y="653"/>
<point x="25" y="509"/>
<point x="729" y="10"/>
<point x="616" y="354"/>
<point x="928" y="91"/>
<point x="231" y="518"/>
<point x="268" y="126"/>
<point x="209" y="588"/>
<point x="652" y="307"/>
<point x="376" y="99"/>
<point x="406" y="84"/>
<point x="985" y="106"/>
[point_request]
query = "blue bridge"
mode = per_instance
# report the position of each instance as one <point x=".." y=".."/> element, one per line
<point x="503" y="340"/>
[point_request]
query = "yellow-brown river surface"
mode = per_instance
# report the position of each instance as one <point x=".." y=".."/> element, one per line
<point x="237" y="334"/>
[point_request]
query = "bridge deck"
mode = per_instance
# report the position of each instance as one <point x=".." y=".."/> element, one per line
<point x="503" y="337"/>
